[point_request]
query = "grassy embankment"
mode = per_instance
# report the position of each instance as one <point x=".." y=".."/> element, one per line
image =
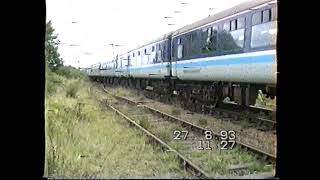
<point x="85" y="140"/>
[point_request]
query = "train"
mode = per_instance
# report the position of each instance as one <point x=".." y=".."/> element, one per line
<point x="231" y="54"/>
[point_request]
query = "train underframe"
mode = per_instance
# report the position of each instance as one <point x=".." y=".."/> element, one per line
<point x="198" y="96"/>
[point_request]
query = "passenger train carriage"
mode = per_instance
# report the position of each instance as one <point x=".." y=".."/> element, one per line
<point x="230" y="54"/>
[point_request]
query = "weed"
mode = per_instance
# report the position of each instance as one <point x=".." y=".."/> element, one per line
<point x="144" y="122"/>
<point x="203" y="122"/>
<point x="176" y="112"/>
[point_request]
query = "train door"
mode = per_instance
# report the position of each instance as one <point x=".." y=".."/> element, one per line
<point x="176" y="53"/>
<point x="168" y="57"/>
<point x="128" y="64"/>
<point x="145" y="56"/>
<point x="153" y="54"/>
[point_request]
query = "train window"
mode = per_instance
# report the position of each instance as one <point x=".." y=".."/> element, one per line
<point x="152" y="48"/>
<point x="264" y="32"/>
<point x="226" y="26"/>
<point x="240" y="23"/>
<point x="233" y="25"/>
<point x="145" y="51"/>
<point x="138" y="53"/>
<point x="180" y="51"/>
<point x="179" y="40"/>
<point x="210" y="41"/>
<point x="159" y="56"/>
<point x="257" y="18"/>
<point x="132" y="54"/>
<point x="231" y="42"/>
<point x="266" y="16"/>
<point x="209" y="31"/>
<point x="264" y="35"/>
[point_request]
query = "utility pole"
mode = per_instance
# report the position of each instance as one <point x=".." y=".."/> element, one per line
<point x="112" y="44"/>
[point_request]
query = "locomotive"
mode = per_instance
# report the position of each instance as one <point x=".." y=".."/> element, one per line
<point x="230" y="54"/>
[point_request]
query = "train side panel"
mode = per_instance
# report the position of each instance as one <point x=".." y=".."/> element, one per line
<point x="256" y="67"/>
<point x="153" y="61"/>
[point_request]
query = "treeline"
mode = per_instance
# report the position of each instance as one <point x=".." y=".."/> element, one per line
<point x="54" y="62"/>
<point x="56" y="72"/>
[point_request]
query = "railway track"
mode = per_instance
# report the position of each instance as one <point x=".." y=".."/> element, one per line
<point x="234" y="109"/>
<point x="195" y="134"/>
<point x="272" y="157"/>
<point x="258" y="134"/>
<point x="262" y="119"/>
<point x="256" y="115"/>
<point x="187" y="164"/>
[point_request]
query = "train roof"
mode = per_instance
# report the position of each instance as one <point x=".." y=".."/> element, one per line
<point x="161" y="38"/>
<point x="225" y="13"/>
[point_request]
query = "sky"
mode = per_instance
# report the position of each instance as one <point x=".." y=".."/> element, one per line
<point x="127" y="23"/>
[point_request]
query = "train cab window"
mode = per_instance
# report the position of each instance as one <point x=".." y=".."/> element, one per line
<point x="152" y="48"/>
<point x="264" y="32"/>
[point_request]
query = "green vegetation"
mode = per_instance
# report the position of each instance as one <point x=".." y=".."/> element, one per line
<point x="144" y="122"/>
<point x="72" y="90"/>
<point x="83" y="140"/>
<point x="69" y="72"/>
<point x="52" y="55"/>
<point x="165" y="135"/>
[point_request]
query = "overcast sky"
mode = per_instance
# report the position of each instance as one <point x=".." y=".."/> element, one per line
<point x="123" y="22"/>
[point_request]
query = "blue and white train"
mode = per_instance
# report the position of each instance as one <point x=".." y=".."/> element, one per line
<point x="230" y="54"/>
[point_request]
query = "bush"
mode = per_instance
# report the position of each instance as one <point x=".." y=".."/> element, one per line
<point x="69" y="72"/>
<point x="72" y="90"/>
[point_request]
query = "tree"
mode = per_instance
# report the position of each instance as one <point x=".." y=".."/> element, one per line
<point x="52" y="55"/>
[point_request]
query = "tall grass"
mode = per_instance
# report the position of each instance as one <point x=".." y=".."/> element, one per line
<point x="72" y="90"/>
<point x="144" y="122"/>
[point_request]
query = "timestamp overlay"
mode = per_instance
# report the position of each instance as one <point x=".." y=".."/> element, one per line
<point x="218" y="156"/>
